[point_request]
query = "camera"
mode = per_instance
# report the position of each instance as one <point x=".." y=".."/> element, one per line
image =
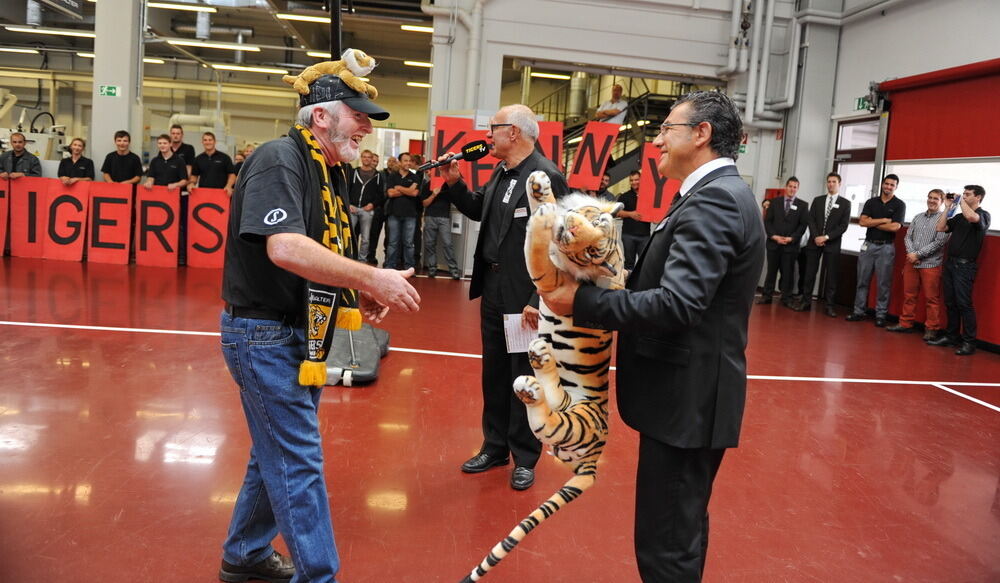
<point x="950" y="196"/>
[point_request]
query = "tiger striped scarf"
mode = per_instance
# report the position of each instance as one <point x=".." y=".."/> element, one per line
<point x="323" y="301"/>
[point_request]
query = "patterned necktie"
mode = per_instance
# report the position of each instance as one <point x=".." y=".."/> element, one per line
<point x="829" y="207"/>
<point x="788" y="204"/>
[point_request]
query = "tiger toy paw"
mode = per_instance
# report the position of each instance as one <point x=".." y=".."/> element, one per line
<point x="539" y="356"/>
<point x="527" y="389"/>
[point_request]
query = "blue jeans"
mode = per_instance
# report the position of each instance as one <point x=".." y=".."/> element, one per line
<point x="877" y="259"/>
<point x="400" y="227"/>
<point x="284" y="489"/>
<point x="436" y="228"/>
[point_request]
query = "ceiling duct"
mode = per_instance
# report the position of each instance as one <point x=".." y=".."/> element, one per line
<point x="33" y="14"/>
<point x="203" y="26"/>
<point x="216" y="30"/>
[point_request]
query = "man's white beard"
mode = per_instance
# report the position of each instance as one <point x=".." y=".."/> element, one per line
<point x="347" y="150"/>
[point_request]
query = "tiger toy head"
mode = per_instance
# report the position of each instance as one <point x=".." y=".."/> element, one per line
<point x="585" y="241"/>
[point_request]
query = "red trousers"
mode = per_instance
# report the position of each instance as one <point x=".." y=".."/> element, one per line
<point x="929" y="280"/>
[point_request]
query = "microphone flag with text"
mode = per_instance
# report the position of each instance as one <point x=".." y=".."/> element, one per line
<point x="471" y="151"/>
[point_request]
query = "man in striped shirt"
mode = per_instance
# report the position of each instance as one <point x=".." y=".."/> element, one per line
<point x="922" y="269"/>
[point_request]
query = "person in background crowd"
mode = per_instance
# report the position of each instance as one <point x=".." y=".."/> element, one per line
<point x="635" y="232"/>
<point x="614" y="109"/>
<point x="829" y="217"/>
<point x="968" y="229"/>
<point x="923" y="268"/>
<point x="177" y="145"/>
<point x="76" y="167"/>
<point x="500" y="278"/>
<point x="401" y="191"/>
<point x="18" y="161"/>
<point x="367" y="190"/>
<point x="603" y="193"/>
<point x="785" y="222"/>
<point x="212" y="168"/>
<point x="882" y="216"/>
<point x="239" y="158"/>
<point x="437" y="226"/>
<point x="378" y="217"/>
<point x="166" y="169"/>
<point x="122" y="165"/>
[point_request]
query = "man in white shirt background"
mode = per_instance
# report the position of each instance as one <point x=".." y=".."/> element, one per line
<point x="613" y="110"/>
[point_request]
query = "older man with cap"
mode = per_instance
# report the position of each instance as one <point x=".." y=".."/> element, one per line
<point x="290" y="277"/>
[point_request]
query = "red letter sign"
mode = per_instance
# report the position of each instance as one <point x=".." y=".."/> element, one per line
<point x="450" y="134"/>
<point x="592" y="155"/>
<point x="655" y="191"/>
<point x="207" y="224"/>
<point x="27" y="215"/>
<point x="67" y="220"/>
<point x="110" y="223"/>
<point x="550" y="141"/>
<point x="156" y="226"/>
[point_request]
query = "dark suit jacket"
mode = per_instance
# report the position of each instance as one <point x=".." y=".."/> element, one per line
<point x="516" y="286"/>
<point x="836" y="225"/>
<point x="793" y="224"/>
<point x="683" y="319"/>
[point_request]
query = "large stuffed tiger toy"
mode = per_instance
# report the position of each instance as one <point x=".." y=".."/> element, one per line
<point x="567" y="399"/>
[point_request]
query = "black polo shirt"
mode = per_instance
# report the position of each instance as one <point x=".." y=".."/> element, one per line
<point x="83" y="168"/>
<point x="967" y="238"/>
<point x="874" y="208"/>
<point x="441" y="206"/>
<point x="402" y="206"/>
<point x="164" y="172"/>
<point x="185" y="151"/>
<point x="121" y="168"/>
<point x="212" y="171"/>
<point x="631" y="226"/>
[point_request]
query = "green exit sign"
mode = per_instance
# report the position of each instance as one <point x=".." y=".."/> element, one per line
<point x="861" y="103"/>
<point x="109" y="91"/>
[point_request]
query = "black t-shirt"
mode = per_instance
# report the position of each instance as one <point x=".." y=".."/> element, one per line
<point x="441" y="206"/>
<point x="269" y="198"/>
<point x="874" y="208"/>
<point x="212" y="171"/>
<point x="402" y="206"/>
<point x="365" y="190"/>
<point x="631" y="226"/>
<point x="185" y="151"/>
<point x="967" y="238"/>
<point x="83" y="168"/>
<point x="121" y="168"/>
<point x="164" y="172"/>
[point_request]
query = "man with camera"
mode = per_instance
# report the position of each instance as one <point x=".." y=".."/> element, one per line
<point x="968" y="230"/>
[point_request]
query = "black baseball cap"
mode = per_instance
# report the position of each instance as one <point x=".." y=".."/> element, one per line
<point x="333" y="88"/>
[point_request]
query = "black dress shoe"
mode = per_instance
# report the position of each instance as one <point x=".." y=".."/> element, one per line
<point x="482" y="462"/>
<point x="966" y="349"/>
<point x="522" y="478"/>
<point x="943" y="340"/>
<point x="830" y="312"/>
<point x="901" y="329"/>
<point x="763" y="300"/>
<point x="432" y="273"/>
<point x="803" y="306"/>
<point x="880" y="322"/>
<point x="274" y="569"/>
<point x="852" y="317"/>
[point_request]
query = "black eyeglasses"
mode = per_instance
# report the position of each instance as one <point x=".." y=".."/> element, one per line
<point x="494" y="126"/>
<point x="665" y="127"/>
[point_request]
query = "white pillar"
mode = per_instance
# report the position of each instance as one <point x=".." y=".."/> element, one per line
<point x="118" y="55"/>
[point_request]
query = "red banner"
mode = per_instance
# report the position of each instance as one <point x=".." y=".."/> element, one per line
<point x="207" y="225"/>
<point x="28" y="215"/>
<point x="592" y="155"/>
<point x="450" y="134"/>
<point x="655" y="192"/>
<point x="110" y="223"/>
<point x="66" y="224"/>
<point x="157" y="220"/>
<point x="4" y="207"/>
<point x="550" y="141"/>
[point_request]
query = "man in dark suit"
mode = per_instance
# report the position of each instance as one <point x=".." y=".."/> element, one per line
<point x="785" y="223"/>
<point x="829" y="216"/>
<point x="500" y="277"/>
<point x="682" y="323"/>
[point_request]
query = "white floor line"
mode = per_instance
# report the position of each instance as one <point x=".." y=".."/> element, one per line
<point x="938" y="384"/>
<point x="964" y="396"/>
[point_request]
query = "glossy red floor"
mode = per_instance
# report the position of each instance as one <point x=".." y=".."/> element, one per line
<point x="121" y="451"/>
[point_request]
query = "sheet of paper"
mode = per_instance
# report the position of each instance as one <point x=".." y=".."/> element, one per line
<point x="517" y="337"/>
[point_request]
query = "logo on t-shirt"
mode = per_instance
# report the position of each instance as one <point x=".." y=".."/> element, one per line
<point x="275" y="216"/>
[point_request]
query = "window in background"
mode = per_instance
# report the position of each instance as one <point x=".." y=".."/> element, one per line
<point x="855" y="160"/>
<point x="917" y="177"/>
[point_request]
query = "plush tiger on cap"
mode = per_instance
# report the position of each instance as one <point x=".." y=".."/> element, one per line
<point x="567" y="399"/>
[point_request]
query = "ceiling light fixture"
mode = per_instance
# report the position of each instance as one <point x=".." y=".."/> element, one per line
<point x="319" y="54"/>
<point x="55" y="31"/>
<point x="551" y="76"/>
<point x="181" y="42"/>
<point x="418" y="84"/>
<point x="153" y="61"/>
<point x="415" y="28"/>
<point x="419" y="64"/>
<point x="303" y="18"/>
<point x="24" y="51"/>
<point x="188" y="7"/>
<point x="86" y="55"/>
<point x="270" y="70"/>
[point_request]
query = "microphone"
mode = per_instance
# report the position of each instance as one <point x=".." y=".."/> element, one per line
<point x="471" y="151"/>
